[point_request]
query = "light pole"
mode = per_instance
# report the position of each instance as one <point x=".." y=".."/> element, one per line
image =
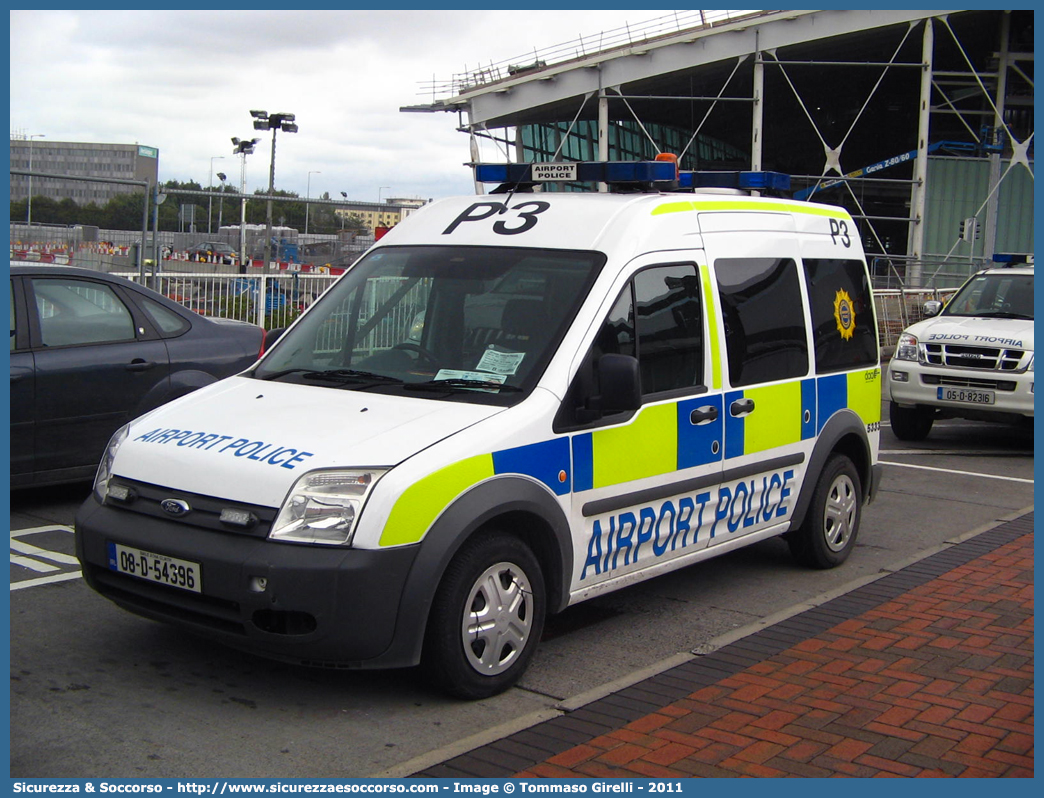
<point x="221" y="200"/>
<point x="29" y="203"/>
<point x="210" y="187"/>
<point x="243" y="149"/>
<point x="379" y="190"/>
<point x="274" y="122"/>
<point x="308" y="196"/>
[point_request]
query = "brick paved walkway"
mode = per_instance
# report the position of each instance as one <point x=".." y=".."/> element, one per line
<point x="927" y="671"/>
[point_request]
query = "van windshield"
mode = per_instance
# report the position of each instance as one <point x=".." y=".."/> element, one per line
<point x="466" y="323"/>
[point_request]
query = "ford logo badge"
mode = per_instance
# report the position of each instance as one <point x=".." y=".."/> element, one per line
<point x="176" y="507"/>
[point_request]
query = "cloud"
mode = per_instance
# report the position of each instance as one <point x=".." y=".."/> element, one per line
<point x="185" y="81"/>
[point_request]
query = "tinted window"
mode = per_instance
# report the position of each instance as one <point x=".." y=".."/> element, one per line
<point x="80" y="312"/>
<point x="657" y="319"/>
<point x="14" y="325"/>
<point x="669" y="321"/>
<point x="764" y="323"/>
<point x="169" y="322"/>
<point x="843" y="329"/>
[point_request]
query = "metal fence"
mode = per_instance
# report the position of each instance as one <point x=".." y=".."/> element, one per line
<point x="274" y="300"/>
<point x="268" y="300"/>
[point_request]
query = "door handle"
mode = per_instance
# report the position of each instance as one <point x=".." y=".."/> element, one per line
<point x="703" y="415"/>
<point x="741" y="407"/>
<point x="139" y="365"/>
<point x="17" y="375"/>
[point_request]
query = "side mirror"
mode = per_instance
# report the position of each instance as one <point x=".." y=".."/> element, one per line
<point x="274" y="335"/>
<point x="932" y="308"/>
<point x="620" y="383"/>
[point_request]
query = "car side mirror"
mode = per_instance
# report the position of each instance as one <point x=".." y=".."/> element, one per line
<point x="933" y="307"/>
<point x="620" y="382"/>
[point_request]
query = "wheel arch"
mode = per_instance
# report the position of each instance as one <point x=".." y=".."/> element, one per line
<point x="844" y="433"/>
<point x="515" y="504"/>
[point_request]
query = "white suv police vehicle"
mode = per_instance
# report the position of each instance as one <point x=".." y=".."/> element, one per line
<point x="972" y="358"/>
<point x="512" y="403"/>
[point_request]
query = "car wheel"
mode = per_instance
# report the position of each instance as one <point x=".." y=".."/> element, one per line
<point x="910" y="423"/>
<point x="486" y="618"/>
<point x="828" y="533"/>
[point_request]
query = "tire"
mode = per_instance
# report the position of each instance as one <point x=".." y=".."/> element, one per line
<point x="910" y="423"/>
<point x="486" y="619"/>
<point x="828" y="533"/>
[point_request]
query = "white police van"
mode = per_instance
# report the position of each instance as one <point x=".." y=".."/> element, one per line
<point x="972" y="358"/>
<point x="512" y="403"/>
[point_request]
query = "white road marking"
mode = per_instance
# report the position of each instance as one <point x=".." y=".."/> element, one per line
<point x="45" y="580"/>
<point x="953" y="452"/>
<point x="32" y="565"/>
<point x="36" y="551"/>
<point x="34" y="558"/>
<point x="962" y="473"/>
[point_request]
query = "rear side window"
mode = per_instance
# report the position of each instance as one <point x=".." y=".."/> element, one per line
<point x="844" y="333"/>
<point x="169" y="322"/>
<point x="764" y="322"/>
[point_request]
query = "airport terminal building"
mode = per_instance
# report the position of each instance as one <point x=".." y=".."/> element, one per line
<point x="920" y="123"/>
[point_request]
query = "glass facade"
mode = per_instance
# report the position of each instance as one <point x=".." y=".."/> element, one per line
<point x="627" y="142"/>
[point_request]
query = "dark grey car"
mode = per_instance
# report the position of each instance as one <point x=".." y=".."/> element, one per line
<point x="89" y="352"/>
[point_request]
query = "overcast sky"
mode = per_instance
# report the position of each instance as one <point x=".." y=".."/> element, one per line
<point x="185" y="81"/>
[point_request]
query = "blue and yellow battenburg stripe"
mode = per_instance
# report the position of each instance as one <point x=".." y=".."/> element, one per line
<point x="660" y="440"/>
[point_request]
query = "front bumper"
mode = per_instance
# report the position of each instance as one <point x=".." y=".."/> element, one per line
<point x="912" y="383"/>
<point x="312" y="605"/>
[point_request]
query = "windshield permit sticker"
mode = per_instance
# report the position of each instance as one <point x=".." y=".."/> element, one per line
<point x="500" y="362"/>
<point x="480" y="376"/>
<point x="267" y="453"/>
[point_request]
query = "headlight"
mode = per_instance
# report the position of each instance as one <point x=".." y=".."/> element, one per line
<point x="104" y="473"/>
<point x="906" y="348"/>
<point x="323" y="506"/>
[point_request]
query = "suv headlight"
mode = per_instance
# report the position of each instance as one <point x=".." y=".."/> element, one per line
<point x="323" y="506"/>
<point x="104" y="472"/>
<point x="906" y="348"/>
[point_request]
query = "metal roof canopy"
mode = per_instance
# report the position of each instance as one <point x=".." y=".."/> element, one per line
<point x="536" y="94"/>
<point x="814" y="93"/>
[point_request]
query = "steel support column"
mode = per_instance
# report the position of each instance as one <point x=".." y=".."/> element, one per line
<point x="993" y="202"/>
<point x="758" y="109"/>
<point x="918" y="190"/>
<point x="603" y="131"/>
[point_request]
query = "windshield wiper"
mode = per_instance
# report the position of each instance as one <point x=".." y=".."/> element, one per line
<point x="348" y="375"/>
<point x="458" y="384"/>
<point x="334" y="375"/>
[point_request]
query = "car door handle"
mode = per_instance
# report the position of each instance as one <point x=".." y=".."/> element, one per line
<point x="139" y="365"/>
<point x="741" y="407"/>
<point x="18" y="375"/>
<point x="703" y="415"/>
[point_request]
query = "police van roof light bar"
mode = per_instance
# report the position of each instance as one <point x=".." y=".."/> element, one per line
<point x="576" y="171"/>
<point x="659" y="175"/>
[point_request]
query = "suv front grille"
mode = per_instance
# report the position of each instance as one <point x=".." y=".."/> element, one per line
<point x="969" y="382"/>
<point x="974" y="357"/>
